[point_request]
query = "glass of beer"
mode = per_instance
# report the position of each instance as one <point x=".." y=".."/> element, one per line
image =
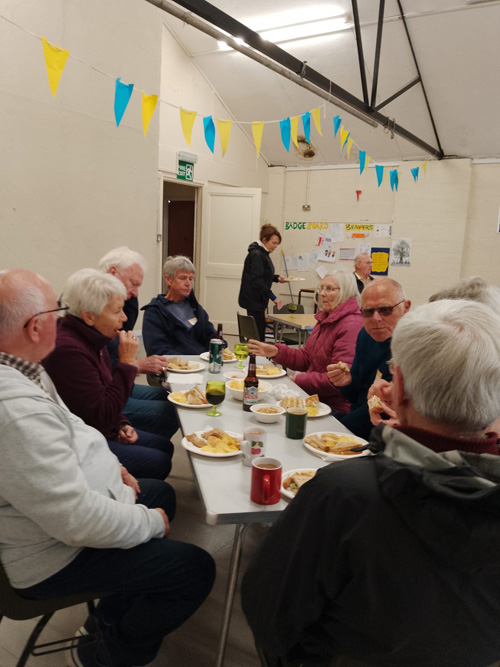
<point x="241" y="353"/>
<point x="215" y="393"/>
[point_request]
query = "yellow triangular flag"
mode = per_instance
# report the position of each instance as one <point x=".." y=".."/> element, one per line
<point x="349" y="146"/>
<point x="187" y="122"/>
<point x="55" y="60"/>
<point x="294" y="124"/>
<point x="343" y="137"/>
<point x="315" y="113"/>
<point x="424" y="167"/>
<point x="257" y="129"/>
<point x="367" y="161"/>
<point x="148" y="108"/>
<point x="224" y="127"/>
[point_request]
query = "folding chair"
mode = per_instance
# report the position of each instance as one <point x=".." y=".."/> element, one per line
<point x="17" y="608"/>
<point x="247" y="328"/>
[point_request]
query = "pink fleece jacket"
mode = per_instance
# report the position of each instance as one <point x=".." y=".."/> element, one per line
<point x="333" y="339"/>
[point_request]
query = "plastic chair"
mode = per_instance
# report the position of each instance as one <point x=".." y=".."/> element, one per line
<point x="247" y="328"/>
<point x="18" y="608"/>
<point x="281" y="333"/>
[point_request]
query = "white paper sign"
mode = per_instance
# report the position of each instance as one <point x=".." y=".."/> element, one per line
<point x="313" y="258"/>
<point x="382" y="230"/>
<point x="303" y="262"/>
<point x="347" y="253"/>
<point x="401" y="252"/>
<point x="336" y="232"/>
<point x="291" y="263"/>
<point x="364" y="248"/>
<point x="321" y="271"/>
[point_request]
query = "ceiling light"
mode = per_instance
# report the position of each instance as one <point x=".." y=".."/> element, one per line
<point x="305" y="29"/>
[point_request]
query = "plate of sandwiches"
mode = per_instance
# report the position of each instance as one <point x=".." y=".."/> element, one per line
<point x="310" y="403"/>
<point x="294" y="479"/>
<point x="227" y="356"/>
<point x="213" y="442"/>
<point x="178" y="365"/>
<point x="192" y="398"/>
<point x="332" y="446"/>
<point x="293" y="279"/>
<point x="269" y="371"/>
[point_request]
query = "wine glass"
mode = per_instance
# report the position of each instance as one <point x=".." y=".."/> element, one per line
<point x="292" y="308"/>
<point x="241" y="353"/>
<point x="215" y="393"/>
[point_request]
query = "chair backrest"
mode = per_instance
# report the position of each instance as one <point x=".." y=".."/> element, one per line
<point x="247" y="328"/>
<point x="14" y="606"/>
<point x="286" y="309"/>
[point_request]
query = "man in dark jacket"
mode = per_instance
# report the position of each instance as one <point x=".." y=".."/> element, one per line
<point x="392" y="559"/>
<point x="258" y="276"/>
<point x="383" y="303"/>
<point x="175" y="323"/>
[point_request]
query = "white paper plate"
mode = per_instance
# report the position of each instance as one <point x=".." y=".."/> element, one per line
<point x="293" y="279"/>
<point x="240" y="374"/>
<point x="196" y="450"/>
<point x="263" y="376"/>
<point x="335" y="457"/>
<point x="323" y="411"/>
<point x="206" y="406"/>
<point x="289" y="473"/>
<point x="196" y="366"/>
<point x="206" y="357"/>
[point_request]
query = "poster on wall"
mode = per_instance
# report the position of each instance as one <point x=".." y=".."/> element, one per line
<point x="347" y="254"/>
<point x="358" y="231"/>
<point x="336" y="231"/>
<point x="380" y="258"/>
<point x="382" y="231"/>
<point x="401" y="252"/>
<point x="364" y="248"/>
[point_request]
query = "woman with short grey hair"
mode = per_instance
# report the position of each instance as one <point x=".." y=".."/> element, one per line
<point x="178" y="263"/>
<point x="80" y="368"/>
<point x="332" y="340"/>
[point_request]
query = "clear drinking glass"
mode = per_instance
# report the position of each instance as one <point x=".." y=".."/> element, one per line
<point x="241" y="353"/>
<point x="215" y="393"/>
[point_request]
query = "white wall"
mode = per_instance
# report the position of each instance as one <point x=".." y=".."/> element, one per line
<point x="451" y="215"/>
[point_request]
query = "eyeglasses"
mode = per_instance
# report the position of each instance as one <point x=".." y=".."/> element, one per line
<point x="60" y="306"/>
<point x="328" y="289"/>
<point x="385" y="311"/>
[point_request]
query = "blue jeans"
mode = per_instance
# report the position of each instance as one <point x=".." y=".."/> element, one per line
<point x="148" y="409"/>
<point x="149" y="457"/>
<point x="157" y="586"/>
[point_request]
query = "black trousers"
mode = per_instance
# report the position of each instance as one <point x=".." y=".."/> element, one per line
<point x="260" y="319"/>
<point x="158" y="585"/>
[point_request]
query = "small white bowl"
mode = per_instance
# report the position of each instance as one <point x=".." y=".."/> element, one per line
<point x="267" y="417"/>
<point x="264" y="388"/>
<point x="235" y="375"/>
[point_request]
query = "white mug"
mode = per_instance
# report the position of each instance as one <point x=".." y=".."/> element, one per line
<point x="253" y="445"/>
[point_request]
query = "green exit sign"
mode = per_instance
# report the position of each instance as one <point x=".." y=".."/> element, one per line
<point x="185" y="170"/>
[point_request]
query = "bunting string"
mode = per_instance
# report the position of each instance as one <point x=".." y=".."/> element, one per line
<point x="56" y="60"/>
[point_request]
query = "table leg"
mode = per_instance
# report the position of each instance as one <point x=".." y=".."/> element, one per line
<point x="232" y="580"/>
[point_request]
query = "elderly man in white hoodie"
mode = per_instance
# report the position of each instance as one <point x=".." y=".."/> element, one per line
<point x="71" y="518"/>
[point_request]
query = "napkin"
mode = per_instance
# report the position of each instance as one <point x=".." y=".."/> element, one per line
<point x="187" y="380"/>
<point x="281" y="390"/>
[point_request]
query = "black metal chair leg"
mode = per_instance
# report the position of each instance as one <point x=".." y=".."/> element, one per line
<point x="33" y="639"/>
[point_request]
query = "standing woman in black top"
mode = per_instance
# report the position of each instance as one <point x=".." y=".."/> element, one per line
<point x="258" y="275"/>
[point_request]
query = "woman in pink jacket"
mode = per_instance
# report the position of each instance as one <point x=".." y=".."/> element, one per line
<point x="333" y="339"/>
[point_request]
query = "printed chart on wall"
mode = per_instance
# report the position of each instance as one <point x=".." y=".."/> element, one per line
<point x="401" y="252"/>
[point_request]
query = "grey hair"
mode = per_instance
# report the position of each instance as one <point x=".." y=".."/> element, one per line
<point x="123" y="258"/>
<point x="358" y="257"/>
<point x="383" y="281"/>
<point x="449" y="356"/>
<point x="473" y="289"/>
<point x="20" y="299"/>
<point x="347" y="284"/>
<point x="178" y="263"/>
<point x="90" y="290"/>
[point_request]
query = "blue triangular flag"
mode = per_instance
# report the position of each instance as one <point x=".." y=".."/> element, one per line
<point x="362" y="161"/>
<point x="123" y="92"/>
<point x="379" y="169"/>
<point x="285" y="132"/>
<point x="209" y="127"/>
<point x="306" y="122"/>
<point x="337" y="120"/>
<point x="414" y="173"/>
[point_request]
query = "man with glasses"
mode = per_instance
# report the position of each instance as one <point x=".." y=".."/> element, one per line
<point x="383" y="303"/>
<point x="72" y="519"/>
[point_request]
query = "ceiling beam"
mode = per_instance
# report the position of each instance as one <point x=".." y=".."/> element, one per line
<point x="298" y="71"/>
<point x="359" y="44"/>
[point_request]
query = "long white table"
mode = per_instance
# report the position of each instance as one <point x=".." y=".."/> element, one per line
<point x="224" y="483"/>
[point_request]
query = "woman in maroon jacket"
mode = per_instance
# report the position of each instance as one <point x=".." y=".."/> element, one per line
<point x="80" y="368"/>
<point x="333" y="339"/>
